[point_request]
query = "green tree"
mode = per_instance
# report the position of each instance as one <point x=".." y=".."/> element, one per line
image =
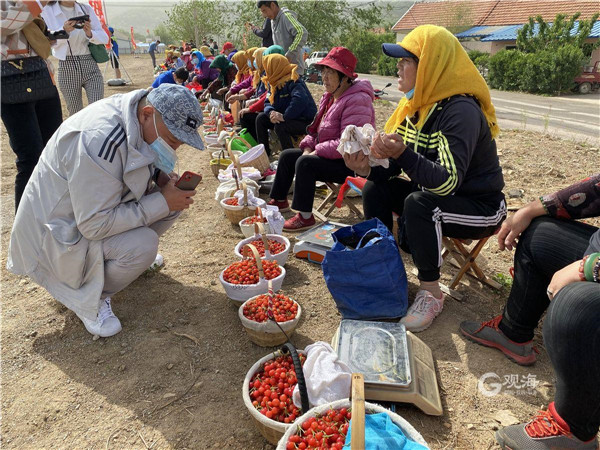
<point x="165" y="34"/>
<point x="366" y="46"/>
<point x="537" y="35"/>
<point x="325" y="20"/>
<point x="195" y="20"/>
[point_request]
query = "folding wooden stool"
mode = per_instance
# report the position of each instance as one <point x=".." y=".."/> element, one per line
<point x="458" y="253"/>
<point x="332" y="200"/>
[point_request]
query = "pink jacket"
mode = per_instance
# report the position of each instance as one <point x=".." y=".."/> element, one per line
<point x="354" y="107"/>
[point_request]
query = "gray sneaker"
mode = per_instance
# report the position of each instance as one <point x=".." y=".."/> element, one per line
<point x="489" y="335"/>
<point x="546" y="431"/>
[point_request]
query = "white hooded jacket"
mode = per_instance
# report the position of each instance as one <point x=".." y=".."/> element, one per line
<point x="93" y="181"/>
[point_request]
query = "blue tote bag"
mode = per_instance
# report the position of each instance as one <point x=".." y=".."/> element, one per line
<point x="365" y="274"/>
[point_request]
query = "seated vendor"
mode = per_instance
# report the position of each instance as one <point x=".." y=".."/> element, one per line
<point x="289" y="107"/>
<point x="442" y="137"/>
<point x="203" y="74"/>
<point x="172" y="76"/>
<point x="346" y="101"/>
<point x="256" y="104"/>
<point x="243" y="88"/>
<point x="560" y="275"/>
<point x="227" y="72"/>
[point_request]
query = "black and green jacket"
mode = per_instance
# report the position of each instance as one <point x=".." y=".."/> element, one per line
<point x="453" y="153"/>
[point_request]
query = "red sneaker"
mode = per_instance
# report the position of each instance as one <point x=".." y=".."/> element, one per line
<point x="283" y="205"/>
<point x="298" y="223"/>
<point x="547" y="430"/>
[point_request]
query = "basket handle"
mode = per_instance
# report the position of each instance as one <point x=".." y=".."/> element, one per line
<point x="234" y="159"/>
<point x="259" y="230"/>
<point x="245" y="193"/>
<point x="289" y="348"/>
<point x="357" y="395"/>
<point x="244" y="141"/>
<point x="259" y="213"/>
<point x="252" y="248"/>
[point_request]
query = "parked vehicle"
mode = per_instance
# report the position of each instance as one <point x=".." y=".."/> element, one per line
<point x="588" y="80"/>
<point x="379" y="92"/>
<point x="314" y="58"/>
<point x="312" y="75"/>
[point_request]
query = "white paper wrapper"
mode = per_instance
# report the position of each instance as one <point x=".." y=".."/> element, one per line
<point x="358" y="139"/>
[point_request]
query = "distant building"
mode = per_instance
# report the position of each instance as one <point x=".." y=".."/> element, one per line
<point x="492" y="25"/>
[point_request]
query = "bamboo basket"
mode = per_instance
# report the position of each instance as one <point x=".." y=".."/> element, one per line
<point x="271" y="430"/>
<point x="268" y="334"/>
<point x="237" y="213"/>
<point x="219" y="163"/>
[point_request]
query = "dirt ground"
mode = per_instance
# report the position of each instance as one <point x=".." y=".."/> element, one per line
<point x="61" y="389"/>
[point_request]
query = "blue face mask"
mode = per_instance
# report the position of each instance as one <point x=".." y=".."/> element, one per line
<point x="255" y="65"/>
<point x="410" y="94"/>
<point x="195" y="61"/>
<point x="250" y="64"/>
<point x="165" y="157"/>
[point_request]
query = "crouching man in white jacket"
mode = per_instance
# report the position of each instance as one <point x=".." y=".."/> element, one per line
<point x="91" y="215"/>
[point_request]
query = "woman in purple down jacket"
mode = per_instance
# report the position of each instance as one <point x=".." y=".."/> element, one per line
<point x="347" y="101"/>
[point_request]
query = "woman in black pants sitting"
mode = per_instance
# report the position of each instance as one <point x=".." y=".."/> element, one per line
<point x="289" y="106"/>
<point x="346" y="101"/>
<point x="556" y="268"/>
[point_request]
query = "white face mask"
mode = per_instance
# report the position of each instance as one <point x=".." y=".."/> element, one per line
<point x="165" y="157"/>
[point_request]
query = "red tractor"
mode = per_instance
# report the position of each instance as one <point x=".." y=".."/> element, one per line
<point x="588" y="80"/>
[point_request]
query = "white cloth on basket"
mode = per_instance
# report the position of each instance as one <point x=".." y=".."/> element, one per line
<point x="252" y="199"/>
<point x="356" y="139"/>
<point x="274" y="219"/>
<point x="227" y="188"/>
<point x="327" y="378"/>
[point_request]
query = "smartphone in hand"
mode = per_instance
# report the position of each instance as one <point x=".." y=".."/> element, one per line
<point x="188" y="181"/>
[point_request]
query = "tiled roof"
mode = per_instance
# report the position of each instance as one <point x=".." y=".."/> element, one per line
<point x="469" y="13"/>
<point x="509" y="32"/>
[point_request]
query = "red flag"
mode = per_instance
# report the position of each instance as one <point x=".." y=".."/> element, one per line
<point x="147" y="31"/>
<point x="133" y="39"/>
<point x="97" y="7"/>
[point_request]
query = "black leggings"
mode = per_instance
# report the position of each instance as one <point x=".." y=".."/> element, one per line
<point x="29" y="127"/>
<point x="248" y="121"/>
<point x="308" y="170"/>
<point x="572" y="325"/>
<point x="285" y="130"/>
<point x="426" y="217"/>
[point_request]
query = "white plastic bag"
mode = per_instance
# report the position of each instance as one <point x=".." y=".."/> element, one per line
<point x="355" y="139"/>
<point x="327" y="378"/>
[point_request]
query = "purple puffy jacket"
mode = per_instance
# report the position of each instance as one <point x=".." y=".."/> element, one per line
<point x="354" y="107"/>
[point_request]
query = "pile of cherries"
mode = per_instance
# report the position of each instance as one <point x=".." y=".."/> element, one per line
<point x="327" y="430"/>
<point x="246" y="271"/>
<point x="271" y="389"/>
<point x="283" y="308"/>
<point x="275" y="247"/>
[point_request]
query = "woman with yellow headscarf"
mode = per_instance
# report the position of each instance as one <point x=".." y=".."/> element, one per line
<point x="289" y="106"/>
<point x="442" y="137"/>
<point x="255" y="95"/>
<point x="243" y="89"/>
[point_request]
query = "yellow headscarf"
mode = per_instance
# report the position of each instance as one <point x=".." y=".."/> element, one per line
<point x="241" y="60"/>
<point x="259" y="63"/>
<point x="205" y="51"/>
<point x="444" y="70"/>
<point x="278" y="71"/>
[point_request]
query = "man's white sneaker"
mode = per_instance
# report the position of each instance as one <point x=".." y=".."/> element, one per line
<point x="106" y="323"/>
<point x="422" y="312"/>
<point x="158" y="262"/>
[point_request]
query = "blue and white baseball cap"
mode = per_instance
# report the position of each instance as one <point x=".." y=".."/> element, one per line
<point x="180" y="111"/>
